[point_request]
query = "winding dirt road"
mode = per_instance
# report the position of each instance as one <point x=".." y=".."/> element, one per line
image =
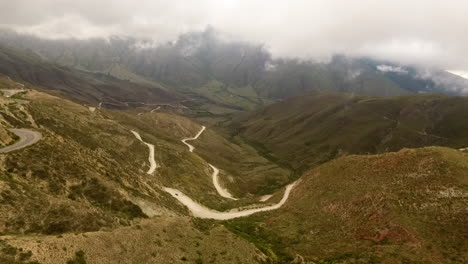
<point x="192" y="148"/>
<point x="152" y="161"/>
<point x="155" y="109"/>
<point x="221" y="191"/>
<point x="27" y="138"/>
<point x="265" y="198"/>
<point x="201" y="211"/>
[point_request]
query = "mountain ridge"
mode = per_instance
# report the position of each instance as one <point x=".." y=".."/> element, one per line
<point x="310" y="129"/>
<point x="233" y="75"/>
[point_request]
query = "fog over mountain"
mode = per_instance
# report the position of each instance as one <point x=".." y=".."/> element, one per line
<point x="421" y="32"/>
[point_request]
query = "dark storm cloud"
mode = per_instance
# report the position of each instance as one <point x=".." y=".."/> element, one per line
<point x="426" y="32"/>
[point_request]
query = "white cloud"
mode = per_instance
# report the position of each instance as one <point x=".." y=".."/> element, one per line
<point x="389" y="68"/>
<point x="419" y="31"/>
<point x="70" y="26"/>
<point x="463" y="74"/>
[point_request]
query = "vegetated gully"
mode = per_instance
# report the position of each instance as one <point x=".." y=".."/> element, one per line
<point x="201" y="211"/>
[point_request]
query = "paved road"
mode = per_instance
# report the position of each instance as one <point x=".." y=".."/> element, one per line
<point x="27" y="138"/>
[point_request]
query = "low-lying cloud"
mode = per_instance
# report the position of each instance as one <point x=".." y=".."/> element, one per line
<point x="389" y="68"/>
<point x="429" y="32"/>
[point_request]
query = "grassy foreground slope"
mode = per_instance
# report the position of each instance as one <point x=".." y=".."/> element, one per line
<point x="163" y="239"/>
<point x="404" y="207"/>
<point x="314" y="128"/>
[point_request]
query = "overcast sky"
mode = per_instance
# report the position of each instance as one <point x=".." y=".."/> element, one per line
<point x="422" y="31"/>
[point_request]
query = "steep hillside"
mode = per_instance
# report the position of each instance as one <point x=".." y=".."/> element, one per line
<point x="8" y="87"/>
<point x="89" y="173"/>
<point x="102" y="142"/>
<point x="287" y="78"/>
<point x="311" y="129"/>
<point x="80" y="86"/>
<point x="402" y="207"/>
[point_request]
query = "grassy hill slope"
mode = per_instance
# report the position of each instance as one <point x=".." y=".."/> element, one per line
<point x="164" y="239"/>
<point x="402" y="207"/>
<point x="88" y="174"/>
<point x="311" y="129"/>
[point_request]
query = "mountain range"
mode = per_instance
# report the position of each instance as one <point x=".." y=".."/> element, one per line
<point x="221" y="73"/>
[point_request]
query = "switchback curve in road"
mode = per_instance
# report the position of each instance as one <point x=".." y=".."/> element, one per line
<point x="221" y="191"/>
<point x="27" y="138"/>
<point x="192" y="148"/>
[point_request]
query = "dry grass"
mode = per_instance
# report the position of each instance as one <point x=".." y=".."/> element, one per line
<point x="164" y="239"/>
<point x="402" y="207"/>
